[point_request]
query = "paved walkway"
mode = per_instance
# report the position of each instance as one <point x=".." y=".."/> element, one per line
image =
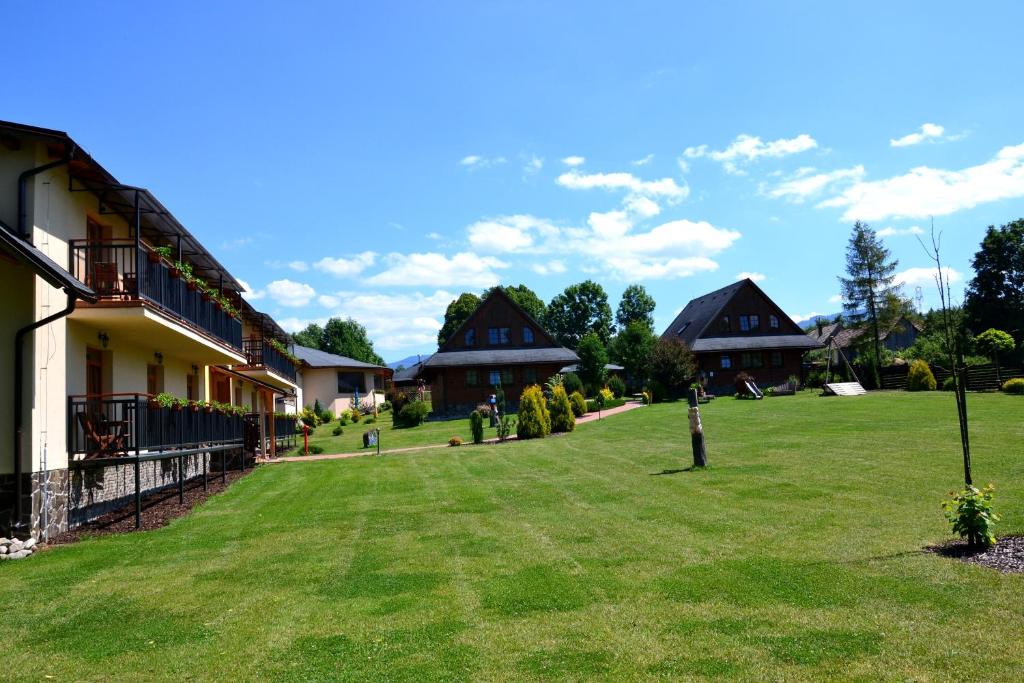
<point x="589" y="417"/>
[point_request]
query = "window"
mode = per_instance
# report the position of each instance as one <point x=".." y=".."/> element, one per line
<point x="723" y="324"/>
<point x="726" y="362"/>
<point x="498" y="336"/>
<point x="527" y="335"/>
<point x="752" y="360"/>
<point x="755" y="322"/>
<point x="350" y="382"/>
<point x="472" y="379"/>
<point x="529" y="375"/>
<point x="154" y="379"/>
<point x="776" y="359"/>
<point x="744" y="323"/>
<point x="470" y="337"/>
<point x="497" y="377"/>
<point x="773" y="322"/>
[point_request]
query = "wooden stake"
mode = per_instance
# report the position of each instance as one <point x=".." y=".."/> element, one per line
<point x="700" y="458"/>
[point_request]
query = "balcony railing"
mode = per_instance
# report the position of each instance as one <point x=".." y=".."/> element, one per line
<point x="260" y="352"/>
<point x="114" y="425"/>
<point x="118" y="272"/>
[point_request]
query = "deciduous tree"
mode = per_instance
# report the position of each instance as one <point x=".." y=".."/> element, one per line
<point x="580" y="309"/>
<point x="456" y="314"/>
<point x="672" y="363"/>
<point x="636" y="305"/>
<point x="995" y="296"/>
<point x="632" y="348"/>
<point x="593" y="358"/>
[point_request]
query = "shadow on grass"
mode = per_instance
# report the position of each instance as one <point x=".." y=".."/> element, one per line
<point x="691" y="468"/>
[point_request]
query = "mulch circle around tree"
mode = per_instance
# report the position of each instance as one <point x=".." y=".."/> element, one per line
<point x="158" y="509"/>
<point x="1007" y="555"/>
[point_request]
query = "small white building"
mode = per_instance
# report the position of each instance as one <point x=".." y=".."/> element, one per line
<point x="335" y="381"/>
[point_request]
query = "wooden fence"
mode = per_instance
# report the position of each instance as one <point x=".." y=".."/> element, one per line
<point x="979" y="377"/>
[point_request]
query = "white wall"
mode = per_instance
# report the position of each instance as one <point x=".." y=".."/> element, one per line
<point x="321" y="384"/>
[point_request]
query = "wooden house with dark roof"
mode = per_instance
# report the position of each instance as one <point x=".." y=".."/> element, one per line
<point x="739" y="328"/>
<point x="498" y="344"/>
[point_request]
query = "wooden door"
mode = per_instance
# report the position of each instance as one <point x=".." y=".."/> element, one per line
<point x="93" y="371"/>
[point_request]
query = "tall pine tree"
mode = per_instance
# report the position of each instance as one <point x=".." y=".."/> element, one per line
<point x="870" y="290"/>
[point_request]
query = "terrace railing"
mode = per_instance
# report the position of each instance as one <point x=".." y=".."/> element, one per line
<point x="113" y="425"/>
<point x="117" y="271"/>
<point x="259" y="352"/>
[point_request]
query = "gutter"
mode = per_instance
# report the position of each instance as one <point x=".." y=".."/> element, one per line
<point x="18" y="524"/>
<point x="23" y="179"/>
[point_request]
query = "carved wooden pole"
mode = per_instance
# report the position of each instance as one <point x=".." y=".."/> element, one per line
<point x="696" y="432"/>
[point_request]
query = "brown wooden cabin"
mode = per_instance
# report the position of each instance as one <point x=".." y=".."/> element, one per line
<point x="499" y="343"/>
<point x="739" y="328"/>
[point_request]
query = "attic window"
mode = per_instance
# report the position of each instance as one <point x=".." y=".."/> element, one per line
<point x="723" y="324"/>
<point x="527" y="335"/>
<point x="470" y="338"/>
<point x="773" y="322"/>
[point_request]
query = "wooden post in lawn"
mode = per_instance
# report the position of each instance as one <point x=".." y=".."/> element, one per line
<point x="700" y="458"/>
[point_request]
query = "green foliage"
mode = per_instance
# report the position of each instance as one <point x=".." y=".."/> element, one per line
<point x="398" y="398"/>
<point x="657" y="391"/>
<point x="993" y="342"/>
<point x="164" y="252"/>
<point x="562" y="417"/>
<point x="606" y="403"/>
<point x="312" y="336"/>
<point x="970" y="513"/>
<point x="995" y="296"/>
<point x="617" y="386"/>
<point x="572" y="383"/>
<point x="549" y="386"/>
<point x="370" y="420"/>
<point x="457" y="313"/>
<point x="341" y="337"/>
<point x="311" y="417"/>
<point x="337" y="431"/>
<point x="636" y="306"/>
<point x="165" y="400"/>
<point x="948" y="384"/>
<point x="315" y="450"/>
<point x="504" y="427"/>
<point x="593" y="358"/>
<point x="534" y="421"/>
<point x="1014" y="386"/>
<point x="499" y="399"/>
<point x="355" y="415"/>
<point x="632" y="348"/>
<point x="412" y="414"/>
<point x="582" y="308"/>
<point x="578" y="403"/>
<point x="920" y="377"/>
<point x="525" y="298"/>
<point x="672" y="364"/>
<point x="476" y="425"/>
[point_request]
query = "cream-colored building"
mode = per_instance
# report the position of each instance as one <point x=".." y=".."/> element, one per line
<point x="337" y="382"/>
<point x="91" y="275"/>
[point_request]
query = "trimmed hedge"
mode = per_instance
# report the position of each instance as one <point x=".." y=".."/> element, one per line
<point x="534" y="421"/>
<point x="1014" y="386"/>
<point x="562" y="417"/>
<point x="609" y="403"/>
<point x="578" y="403"/>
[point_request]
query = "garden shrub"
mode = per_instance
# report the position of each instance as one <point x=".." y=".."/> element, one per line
<point x="343" y="420"/>
<point x="607" y="393"/>
<point x="815" y="379"/>
<point x="572" y="383"/>
<point x="534" y="419"/>
<point x="578" y="403"/>
<point x="454" y="441"/>
<point x="385" y="406"/>
<point x="947" y="384"/>
<point x="356" y="415"/>
<point x="315" y="450"/>
<point x="370" y="420"/>
<point x="970" y="513"/>
<point x="412" y="414"/>
<point x="920" y="377"/>
<point x="476" y="425"/>
<point x="617" y="386"/>
<point x="310" y="417"/>
<point x="504" y="427"/>
<point x="657" y="391"/>
<point x="337" y="431"/>
<point x="608" y="404"/>
<point x="562" y="417"/>
<point x="398" y="399"/>
<point x="1014" y="386"/>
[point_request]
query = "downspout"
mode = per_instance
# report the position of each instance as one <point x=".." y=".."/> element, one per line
<point x="19" y="341"/>
<point x="23" y="179"/>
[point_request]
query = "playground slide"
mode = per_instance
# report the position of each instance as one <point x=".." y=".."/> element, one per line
<point x="752" y="388"/>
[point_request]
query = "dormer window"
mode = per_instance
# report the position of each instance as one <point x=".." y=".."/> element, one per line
<point x="723" y="324"/>
<point x="470" y="337"/>
<point x="527" y="335"/>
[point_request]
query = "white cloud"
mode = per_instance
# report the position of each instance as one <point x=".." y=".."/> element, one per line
<point x="925" y="191"/>
<point x="507" y="234"/>
<point x="554" y="266"/>
<point x="574" y="161"/>
<point x="929" y="132"/>
<point x="346" y="266"/>
<point x="665" y="187"/>
<point x="289" y="293"/>
<point x="912" y="277"/>
<point x="895" y="232"/>
<point x="532" y="164"/>
<point x="756" y="277"/>
<point x="299" y="266"/>
<point x="806" y="182"/>
<point x="642" y="206"/>
<point x="836" y="299"/>
<point x="395" y="321"/>
<point x="798" y="317"/>
<point x="437" y="270"/>
<point x="249" y="293"/>
<point x="474" y="161"/>
<point x="433" y="236"/>
<point x="747" y="148"/>
<point x="644" y="161"/>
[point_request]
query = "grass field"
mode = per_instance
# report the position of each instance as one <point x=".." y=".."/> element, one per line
<point x="427" y="434"/>
<point x="797" y="555"/>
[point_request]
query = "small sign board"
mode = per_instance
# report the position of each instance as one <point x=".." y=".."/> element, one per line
<point x="371" y="437"/>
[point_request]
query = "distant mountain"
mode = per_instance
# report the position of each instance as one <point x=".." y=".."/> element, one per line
<point x="407" y="362"/>
<point x="803" y="324"/>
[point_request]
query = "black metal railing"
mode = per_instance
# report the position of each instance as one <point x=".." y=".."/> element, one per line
<point x="118" y="272"/>
<point x="259" y="352"/>
<point x="113" y="425"/>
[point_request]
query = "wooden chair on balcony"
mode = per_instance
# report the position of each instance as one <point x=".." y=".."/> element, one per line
<point x="105" y="278"/>
<point x="104" y="438"/>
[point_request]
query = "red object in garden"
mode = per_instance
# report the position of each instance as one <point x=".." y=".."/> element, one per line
<point x="305" y="438"/>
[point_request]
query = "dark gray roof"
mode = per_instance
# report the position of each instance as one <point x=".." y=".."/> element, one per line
<point x="756" y="342"/>
<point x="407" y="374"/>
<point x="44" y="266"/>
<point x="316" y="358"/>
<point x="692" y="320"/>
<point x="447" y="359"/>
<point x="827" y="332"/>
<point x="576" y="366"/>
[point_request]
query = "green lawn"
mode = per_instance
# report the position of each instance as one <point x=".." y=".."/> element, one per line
<point x="427" y="434"/>
<point x="795" y="556"/>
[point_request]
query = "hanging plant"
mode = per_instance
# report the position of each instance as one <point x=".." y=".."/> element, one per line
<point x="283" y="350"/>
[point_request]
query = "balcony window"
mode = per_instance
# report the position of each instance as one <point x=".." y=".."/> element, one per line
<point x="499" y="336"/>
<point x="350" y="382"/>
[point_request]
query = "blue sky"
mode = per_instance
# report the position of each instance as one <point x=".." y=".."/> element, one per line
<point x="376" y="161"/>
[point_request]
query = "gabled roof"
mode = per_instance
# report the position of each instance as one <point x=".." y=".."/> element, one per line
<point x="408" y="374"/>
<point x="315" y="358"/>
<point x="827" y="332"/>
<point x="43" y="265"/>
<point x="499" y="291"/>
<point x="697" y="314"/>
<point x="550" y="354"/>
